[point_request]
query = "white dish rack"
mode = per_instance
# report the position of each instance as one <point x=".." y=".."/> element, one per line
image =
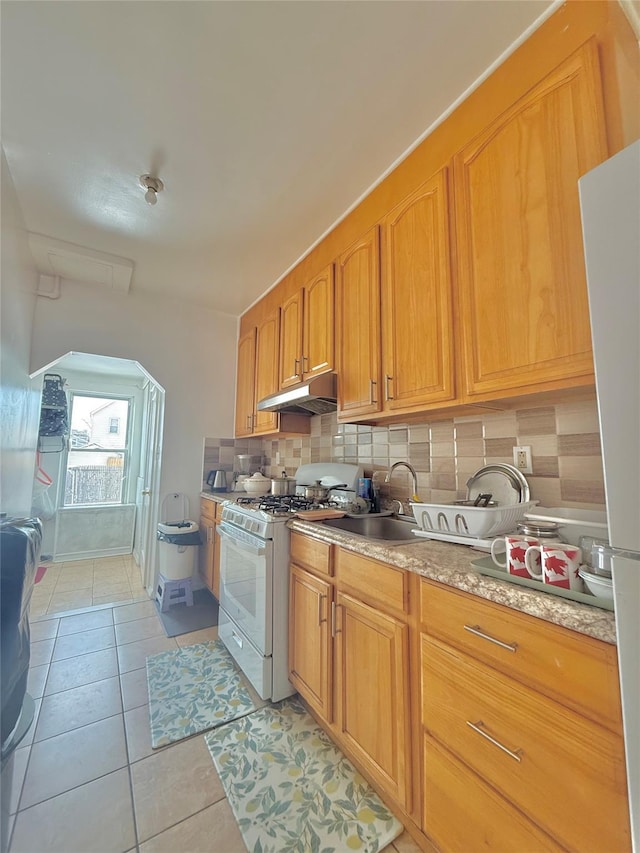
<point x="455" y="521"/>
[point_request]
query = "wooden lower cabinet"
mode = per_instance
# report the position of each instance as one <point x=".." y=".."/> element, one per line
<point x="372" y="679"/>
<point x="350" y="662"/>
<point x="549" y="762"/>
<point x="310" y="644"/>
<point x="472" y="751"/>
<point x="209" y="552"/>
<point x="463" y="813"/>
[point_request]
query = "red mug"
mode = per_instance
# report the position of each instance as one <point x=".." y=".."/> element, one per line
<point x="515" y="549"/>
<point x="556" y="564"/>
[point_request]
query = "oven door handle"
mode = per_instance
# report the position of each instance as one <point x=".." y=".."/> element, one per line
<point x="241" y="543"/>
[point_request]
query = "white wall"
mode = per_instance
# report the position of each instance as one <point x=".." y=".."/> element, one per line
<point x="19" y="400"/>
<point x="189" y="349"/>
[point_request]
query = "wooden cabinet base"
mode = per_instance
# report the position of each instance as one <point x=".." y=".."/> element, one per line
<point x="464" y="813"/>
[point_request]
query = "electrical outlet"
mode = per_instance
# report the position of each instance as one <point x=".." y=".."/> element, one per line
<point x="522" y="459"/>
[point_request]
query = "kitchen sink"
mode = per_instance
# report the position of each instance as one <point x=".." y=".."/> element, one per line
<point x="385" y="527"/>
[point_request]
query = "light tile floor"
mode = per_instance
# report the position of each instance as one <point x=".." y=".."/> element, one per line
<point x="86" y="583"/>
<point x="86" y="779"/>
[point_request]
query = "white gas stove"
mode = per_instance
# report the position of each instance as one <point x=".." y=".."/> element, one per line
<point x="254" y="577"/>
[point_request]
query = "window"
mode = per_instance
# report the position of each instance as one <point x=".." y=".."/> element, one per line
<point x="98" y="456"/>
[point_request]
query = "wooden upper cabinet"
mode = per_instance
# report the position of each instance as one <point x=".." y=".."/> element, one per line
<point x="417" y="314"/>
<point x="318" y="325"/>
<point x="291" y="327"/>
<point x="358" y="327"/>
<point x="245" y="393"/>
<point x="266" y="370"/>
<point x="519" y="241"/>
<point x="307" y="331"/>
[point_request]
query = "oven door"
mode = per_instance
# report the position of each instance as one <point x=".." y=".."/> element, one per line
<point x="246" y="571"/>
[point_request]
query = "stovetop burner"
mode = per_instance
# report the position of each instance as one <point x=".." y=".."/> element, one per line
<point x="282" y="504"/>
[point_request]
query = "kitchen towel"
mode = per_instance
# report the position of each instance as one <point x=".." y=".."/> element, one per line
<point x="193" y="689"/>
<point x="290" y="787"/>
<point x="180" y="619"/>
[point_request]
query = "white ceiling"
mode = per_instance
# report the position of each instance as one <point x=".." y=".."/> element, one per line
<point x="266" y="120"/>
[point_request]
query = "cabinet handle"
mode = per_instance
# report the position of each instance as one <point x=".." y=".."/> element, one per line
<point x="372" y="384"/>
<point x="475" y="629"/>
<point x="334" y="621"/>
<point x="251" y="419"/>
<point x="248" y="422"/>
<point x="209" y="535"/>
<point x="296" y="369"/>
<point x="321" y="598"/>
<point x="387" y="394"/>
<point x="305" y="367"/>
<point x="476" y="727"/>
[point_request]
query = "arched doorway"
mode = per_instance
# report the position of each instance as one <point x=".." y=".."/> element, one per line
<point x="104" y="499"/>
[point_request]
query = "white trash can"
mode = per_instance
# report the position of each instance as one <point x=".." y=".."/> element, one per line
<point x="177" y="549"/>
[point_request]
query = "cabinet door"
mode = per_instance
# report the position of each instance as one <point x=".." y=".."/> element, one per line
<point x="215" y="564"/>
<point x="358" y="327"/>
<point x="318" y="334"/>
<point x="520" y="257"/>
<point x="372" y="679"/>
<point x="206" y="556"/>
<point x="310" y="662"/>
<point x="291" y="324"/>
<point x="266" y="382"/>
<point x="245" y="394"/>
<point x="417" y="317"/>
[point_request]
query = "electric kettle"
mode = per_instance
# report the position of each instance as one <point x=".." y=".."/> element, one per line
<point x="217" y="479"/>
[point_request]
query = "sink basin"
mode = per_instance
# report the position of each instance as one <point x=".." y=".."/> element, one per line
<point x="392" y="529"/>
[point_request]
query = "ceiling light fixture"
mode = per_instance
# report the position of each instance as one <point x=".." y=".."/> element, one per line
<point x="153" y="186"/>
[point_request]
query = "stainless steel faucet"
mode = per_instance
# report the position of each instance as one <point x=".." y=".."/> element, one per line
<point x="411" y="470"/>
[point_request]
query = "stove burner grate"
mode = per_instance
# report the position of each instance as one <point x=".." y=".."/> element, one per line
<point x="282" y="504"/>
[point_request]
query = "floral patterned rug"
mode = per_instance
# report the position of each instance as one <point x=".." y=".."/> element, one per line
<point x="193" y="689"/>
<point x="292" y="790"/>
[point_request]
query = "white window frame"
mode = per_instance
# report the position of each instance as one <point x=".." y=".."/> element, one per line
<point x="115" y="422"/>
<point x="125" y="451"/>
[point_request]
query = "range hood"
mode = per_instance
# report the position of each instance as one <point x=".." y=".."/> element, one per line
<point x="315" y="397"/>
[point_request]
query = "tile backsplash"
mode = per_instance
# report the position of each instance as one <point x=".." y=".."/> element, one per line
<point x="564" y="441"/>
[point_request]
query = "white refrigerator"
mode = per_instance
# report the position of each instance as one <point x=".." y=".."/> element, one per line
<point x="610" y="205"/>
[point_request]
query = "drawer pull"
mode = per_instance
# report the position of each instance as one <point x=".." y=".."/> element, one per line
<point x="476" y="727"/>
<point x="475" y="629"/>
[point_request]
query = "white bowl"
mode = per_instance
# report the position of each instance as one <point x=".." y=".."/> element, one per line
<point x="257" y="486"/>
<point x="597" y="585"/>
